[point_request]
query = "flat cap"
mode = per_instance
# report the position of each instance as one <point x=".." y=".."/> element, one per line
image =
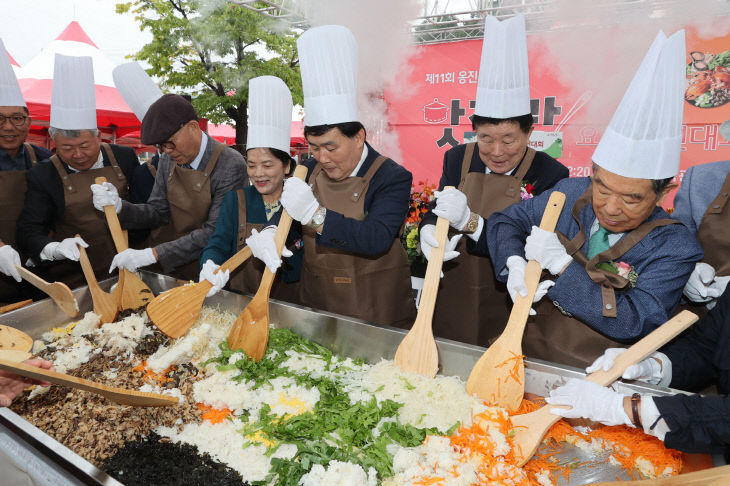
<point x="164" y="117"/>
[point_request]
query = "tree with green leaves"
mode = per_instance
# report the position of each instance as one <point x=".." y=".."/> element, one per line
<point x="209" y="49"/>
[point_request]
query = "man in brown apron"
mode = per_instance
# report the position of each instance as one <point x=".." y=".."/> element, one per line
<point x="702" y="205"/>
<point x="193" y="175"/>
<point x="58" y="200"/>
<point x="619" y="262"/>
<point x="354" y="201"/>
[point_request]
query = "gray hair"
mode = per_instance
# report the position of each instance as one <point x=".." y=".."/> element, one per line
<point x="53" y="131"/>
<point x="658" y="185"/>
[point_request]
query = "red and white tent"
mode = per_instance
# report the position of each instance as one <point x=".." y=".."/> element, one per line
<point x="36" y="81"/>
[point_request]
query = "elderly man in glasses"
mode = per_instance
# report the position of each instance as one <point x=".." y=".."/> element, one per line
<point x="193" y="175"/>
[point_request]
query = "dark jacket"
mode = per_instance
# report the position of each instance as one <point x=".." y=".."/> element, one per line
<point x="543" y="174"/>
<point x="45" y="202"/>
<point x="386" y="204"/>
<point x="22" y="160"/>
<point x="700" y="357"/>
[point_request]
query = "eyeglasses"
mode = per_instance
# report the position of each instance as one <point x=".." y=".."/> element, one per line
<point x="15" y="120"/>
<point x="169" y="145"/>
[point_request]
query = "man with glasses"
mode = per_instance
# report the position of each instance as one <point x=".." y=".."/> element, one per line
<point x="16" y="157"/>
<point x="57" y="203"/>
<point x="193" y="175"/>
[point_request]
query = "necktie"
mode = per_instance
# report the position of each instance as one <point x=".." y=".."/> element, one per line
<point x="598" y="242"/>
<point x="186" y="166"/>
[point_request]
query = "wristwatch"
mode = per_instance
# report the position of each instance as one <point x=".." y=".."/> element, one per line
<point x="473" y="223"/>
<point x="318" y="218"/>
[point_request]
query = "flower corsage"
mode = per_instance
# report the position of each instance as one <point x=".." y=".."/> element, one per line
<point x="622" y="269"/>
<point x="527" y="190"/>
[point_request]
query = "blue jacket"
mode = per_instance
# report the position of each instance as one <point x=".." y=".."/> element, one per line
<point x="700" y="185"/>
<point x="663" y="260"/>
<point x="386" y="204"/>
<point x="223" y="243"/>
<point x="700" y="358"/>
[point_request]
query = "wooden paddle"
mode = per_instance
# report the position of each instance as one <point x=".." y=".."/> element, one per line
<point x="251" y="330"/>
<point x="174" y="311"/>
<point x="530" y="428"/>
<point x="134" y="292"/>
<point x="714" y="476"/>
<point x="58" y="291"/>
<point x="118" y="395"/>
<point x="14" y="339"/>
<point x="499" y="375"/>
<point x="104" y="304"/>
<point x="417" y="352"/>
<point x="14" y="355"/>
<point x="15" y="306"/>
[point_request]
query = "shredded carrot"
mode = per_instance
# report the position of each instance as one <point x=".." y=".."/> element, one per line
<point x="148" y="375"/>
<point x="213" y="415"/>
<point x="514" y="372"/>
<point x="429" y="481"/>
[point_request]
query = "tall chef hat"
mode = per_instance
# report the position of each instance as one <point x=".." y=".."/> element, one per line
<point x="328" y="62"/>
<point x="136" y="87"/>
<point x="73" y="101"/>
<point x="10" y="94"/>
<point x="269" y="114"/>
<point x="503" y="89"/>
<point x="644" y="138"/>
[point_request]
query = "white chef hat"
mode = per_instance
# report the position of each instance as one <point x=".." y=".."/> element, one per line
<point x="644" y="138"/>
<point x="328" y="62"/>
<point x="503" y="89"/>
<point x="10" y="94"/>
<point x="73" y="100"/>
<point x="136" y="87"/>
<point x="269" y="114"/>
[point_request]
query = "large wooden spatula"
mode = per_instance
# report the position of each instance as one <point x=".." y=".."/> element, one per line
<point x="174" y="311"/>
<point x="134" y="293"/>
<point x="714" y="476"/>
<point x="499" y="375"/>
<point x="118" y="395"/>
<point x="417" y="352"/>
<point x="58" y="291"/>
<point x="14" y="339"/>
<point x="104" y="304"/>
<point x="530" y="428"/>
<point x="251" y="330"/>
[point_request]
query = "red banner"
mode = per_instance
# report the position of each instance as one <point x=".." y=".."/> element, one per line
<point x="430" y="111"/>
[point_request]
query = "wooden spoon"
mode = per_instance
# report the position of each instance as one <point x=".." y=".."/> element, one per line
<point x="134" y="292"/>
<point x="714" y="476"/>
<point x="14" y="356"/>
<point x="15" y="306"/>
<point x="530" y="428"/>
<point x="499" y="375"/>
<point x="58" y="291"/>
<point x="118" y="395"/>
<point x="14" y="339"/>
<point x="417" y="352"/>
<point x="174" y="311"/>
<point x="104" y="304"/>
<point x="251" y="330"/>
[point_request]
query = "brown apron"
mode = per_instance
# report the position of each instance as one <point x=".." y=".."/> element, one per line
<point x="12" y="198"/>
<point x="472" y="306"/>
<point x="375" y="289"/>
<point x="714" y="232"/>
<point x="560" y="338"/>
<point x="247" y="278"/>
<point x="80" y="217"/>
<point x="189" y="199"/>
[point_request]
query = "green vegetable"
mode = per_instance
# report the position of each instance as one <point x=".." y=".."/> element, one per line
<point x="722" y="59"/>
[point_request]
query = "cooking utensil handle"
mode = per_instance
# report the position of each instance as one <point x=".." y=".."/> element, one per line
<point x="86" y="266"/>
<point x="32" y="278"/>
<point x="112" y="220"/>
<point x="236" y="260"/>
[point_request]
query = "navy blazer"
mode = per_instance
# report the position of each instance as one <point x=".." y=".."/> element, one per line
<point x="386" y="205"/>
<point x="700" y="185"/>
<point x="700" y="358"/>
<point x="663" y="260"/>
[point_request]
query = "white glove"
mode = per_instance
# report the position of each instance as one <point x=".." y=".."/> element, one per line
<point x="516" y="281"/>
<point x="648" y="370"/>
<point x="218" y="279"/>
<point x="106" y="195"/>
<point x="427" y="240"/>
<point x="133" y="259"/>
<point x="66" y="249"/>
<point x="697" y="288"/>
<point x="451" y="204"/>
<point x="589" y="400"/>
<point x="298" y="200"/>
<point x="8" y="259"/>
<point x="545" y="248"/>
<point x="263" y="247"/>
